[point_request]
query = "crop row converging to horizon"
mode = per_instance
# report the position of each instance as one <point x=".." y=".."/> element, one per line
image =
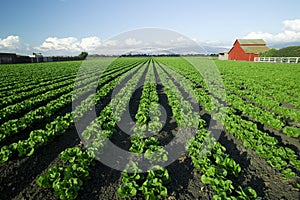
<point x="171" y="101"/>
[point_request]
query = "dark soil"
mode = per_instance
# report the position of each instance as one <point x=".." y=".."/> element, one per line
<point x="257" y="173"/>
<point x="18" y="176"/>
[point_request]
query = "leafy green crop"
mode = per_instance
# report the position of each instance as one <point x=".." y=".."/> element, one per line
<point x="292" y="131"/>
<point x="67" y="181"/>
<point x="152" y="187"/>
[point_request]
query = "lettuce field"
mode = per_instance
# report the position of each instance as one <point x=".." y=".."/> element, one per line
<point x="188" y="128"/>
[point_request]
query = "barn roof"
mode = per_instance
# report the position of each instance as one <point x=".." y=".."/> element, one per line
<point x="255" y="49"/>
<point x="251" y="41"/>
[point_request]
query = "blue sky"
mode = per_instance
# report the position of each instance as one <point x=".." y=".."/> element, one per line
<point x="27" y="25"/>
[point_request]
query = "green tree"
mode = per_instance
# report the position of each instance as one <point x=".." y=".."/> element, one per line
<point x="270" y="53"/>
<point x="291" y="51"/>
<point x="83" y="55"/>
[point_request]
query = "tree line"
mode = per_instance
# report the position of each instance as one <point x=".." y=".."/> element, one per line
<point x="292" y="51"/>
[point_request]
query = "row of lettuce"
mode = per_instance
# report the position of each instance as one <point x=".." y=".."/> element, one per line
<point x="218" y="169"/>
<point x="67" y="179"/>
<point x="278" y="81"/>
<point x="60" y="124"/>
<point x="209" y="156"/>
<point x="15" y="78"/>
<point x="284" y="159"/>
<point x="95" y="136"/>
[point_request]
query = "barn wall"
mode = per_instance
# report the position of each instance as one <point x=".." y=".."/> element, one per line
<point x="237" y="53"/>
<point x="252" y="56"/>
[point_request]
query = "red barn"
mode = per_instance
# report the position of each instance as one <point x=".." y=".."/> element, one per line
<point x="247" y="49"/>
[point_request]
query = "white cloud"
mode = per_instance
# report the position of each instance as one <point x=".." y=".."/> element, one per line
<point x="68" y="45"/>
<point x="173" y="42"/>
<point x="51" y="45"/>
<point x="290" y="33"/>
<point x="10" y="43"/>
<point x="218" y="44"/>
<point x="132" y="42"/>
<point x="90" y="43"/>
<point x="213" y="42"/>
<point x="182" y="39"/>
<point x="58" y="44"/>
<point x="110" y="43"/>
<point x="292" y="24"/>
<point x="179" y="41"/>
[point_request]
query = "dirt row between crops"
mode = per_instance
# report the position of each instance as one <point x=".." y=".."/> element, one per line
<point x="18" y="175"/>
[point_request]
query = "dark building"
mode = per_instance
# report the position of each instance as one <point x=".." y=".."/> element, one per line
<point x="7" y="58"/>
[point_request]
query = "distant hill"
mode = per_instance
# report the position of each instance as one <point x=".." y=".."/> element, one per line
<point x="291" y="51"/>
<point x="283" y="45"/>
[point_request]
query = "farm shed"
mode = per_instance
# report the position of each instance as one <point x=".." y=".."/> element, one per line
<point x="7" y="58"/>
<point x="12" y="58"/>
<point x="247" y="49"/>
<point x="223" y="56"/>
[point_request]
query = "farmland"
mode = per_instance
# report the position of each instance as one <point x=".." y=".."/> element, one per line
<point x="244" y="119"/>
